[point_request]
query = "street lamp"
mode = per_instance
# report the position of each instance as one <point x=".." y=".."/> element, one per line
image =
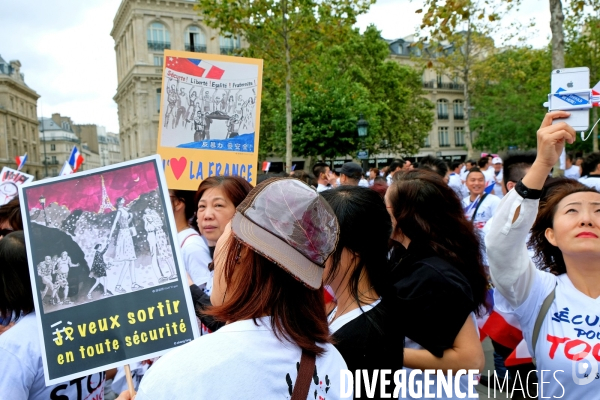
<point x="43" y="203"/>
<point x="362" y="127"/>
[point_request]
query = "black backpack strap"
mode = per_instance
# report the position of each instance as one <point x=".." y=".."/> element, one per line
<point x="477" y="208"/>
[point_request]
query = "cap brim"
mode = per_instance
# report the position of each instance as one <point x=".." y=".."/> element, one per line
<point x="277" y="251"/>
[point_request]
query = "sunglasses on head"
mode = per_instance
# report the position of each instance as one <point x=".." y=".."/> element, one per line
<point x="4" y="232"/>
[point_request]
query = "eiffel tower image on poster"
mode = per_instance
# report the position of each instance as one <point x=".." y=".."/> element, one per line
<point x="105" y="199"/>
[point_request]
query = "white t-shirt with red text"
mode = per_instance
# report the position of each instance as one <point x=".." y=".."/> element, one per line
<point x="568" y="345"/>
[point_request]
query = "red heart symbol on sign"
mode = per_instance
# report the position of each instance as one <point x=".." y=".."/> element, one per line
<point x="178" y="166"/>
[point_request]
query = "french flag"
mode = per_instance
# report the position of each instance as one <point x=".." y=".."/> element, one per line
<point x="21" y="160"/>
<point x="75" y="159"/>
<point x="520" y="355"/>
<point x="490" y="186"/>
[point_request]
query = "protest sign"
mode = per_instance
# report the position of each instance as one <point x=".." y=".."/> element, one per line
<point x="209" y="117"/>
<point x="108" y="283"/>
<point x="10" y="180"/>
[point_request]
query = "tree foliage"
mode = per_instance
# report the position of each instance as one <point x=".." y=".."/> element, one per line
<point x="285" y="33"/>
<point x="508" y="92"/>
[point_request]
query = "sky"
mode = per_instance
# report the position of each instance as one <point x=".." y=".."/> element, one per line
<point x="68" y="56"/>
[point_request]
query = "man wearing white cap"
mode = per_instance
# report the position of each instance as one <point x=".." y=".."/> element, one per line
<point x="498" y="176"/>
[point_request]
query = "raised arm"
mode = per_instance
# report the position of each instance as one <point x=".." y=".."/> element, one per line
<point x="511" y="269"/>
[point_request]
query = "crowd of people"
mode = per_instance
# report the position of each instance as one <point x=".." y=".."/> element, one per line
<point x="306" y="275"/>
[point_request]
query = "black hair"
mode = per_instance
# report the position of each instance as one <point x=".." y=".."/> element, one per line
<point x="434" y="164"/>
<point x="475" y="169"/>
<point x="319" y="168"/>
<point x="187" y="197"/>
<point x="483" y="161"/>
<point x="365" y="229"/>
<point x="15" y="287"/>
<point x="471" y="161"/>
<point x="516" y="166"/>
<point x="429" y="213"/>
<point x="395" y="164"/>
<point x="590" y="163"/>
<point x="455" y="164"/>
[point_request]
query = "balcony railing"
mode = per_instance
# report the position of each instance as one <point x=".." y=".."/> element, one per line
<point x="428" y="85"/>
<point x="459" y="116"/>
<point x="444" y="144"/>
<point x="442" y="116"/>
<point x="50" y="162"/>
<point x="158" y="46"/>
<point x="227" y="49"/>
<point x="196" y="48"/>
<point x="450" y="86"/>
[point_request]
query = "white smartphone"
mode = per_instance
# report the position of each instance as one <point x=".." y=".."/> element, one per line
<point x="568" y="79"/>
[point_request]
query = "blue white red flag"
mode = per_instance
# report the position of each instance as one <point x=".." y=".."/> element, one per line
<point x="21" y="160"/>
<point x="488" y="189"/>
<point x="75" y="159"/>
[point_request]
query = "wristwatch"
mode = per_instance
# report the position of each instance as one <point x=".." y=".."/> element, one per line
<point x="526" y="193"/>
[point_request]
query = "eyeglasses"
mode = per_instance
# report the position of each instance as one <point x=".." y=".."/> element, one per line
<point x="4" y="232"/>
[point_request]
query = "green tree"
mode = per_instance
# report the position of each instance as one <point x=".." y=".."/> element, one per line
<point x="460" y="38"/>
<point x="508" y="92"/>
<point x="353" y="78"/>
<point x="284" y="33"/>
<point x="582" y="31"/>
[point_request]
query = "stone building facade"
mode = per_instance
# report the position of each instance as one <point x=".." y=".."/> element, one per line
<point x="142" y="31"/>
<point x="57" y="137"/>
<point x="446" y="138"/>
<point x="18" y="120"/>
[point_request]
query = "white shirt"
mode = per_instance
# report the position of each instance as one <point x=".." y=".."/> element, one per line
<point x="591" y="181"/>
<point x="484" y="212"/>
<point x="573" y="173"/>
<point x="456" y="183"/>
<point x="498" y="186"/>
<point x="521" y="288"/>
<point x="363" y="182"/>
<point x="490" y="176"/>
<point x="22" y="372"/>
<point x="322" y="188"/>
<point x="196" y="255"/>
<point x="239" y="361"/>
<point x="349" y="316"/>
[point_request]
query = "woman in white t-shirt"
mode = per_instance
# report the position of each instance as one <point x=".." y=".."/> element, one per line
<point x="558" y="305"/>
<point x="268" y="268"/>
<point x="21" y="366"/>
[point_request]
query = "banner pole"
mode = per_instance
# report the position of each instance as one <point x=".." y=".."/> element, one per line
<point x="129" y="380"/>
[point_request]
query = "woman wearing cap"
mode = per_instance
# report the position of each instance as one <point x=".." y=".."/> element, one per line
<point x="364" y="324"/>
<point x="556" y="305"/>
<point x="268" y="268"/>
<point x="438" y="273"/>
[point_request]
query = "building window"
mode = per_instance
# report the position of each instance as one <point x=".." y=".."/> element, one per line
<point x="52" y="147"/>
<point x="459" y="136"/>
<point x="228" y="43"/>
<point x="195" y="40"/>
<point x="158" y="100"/>
<point x="442" y="109"/>
<point x="443" y="136"/>
<point x="459" y="110"/>
<point x="158" y="61"/>
<point x="66" y="126"/>
<point x="427" y="142"/>
<point x="54" y="171"/>
<point x="54" y="160"/>
<point x="158" y="37"/>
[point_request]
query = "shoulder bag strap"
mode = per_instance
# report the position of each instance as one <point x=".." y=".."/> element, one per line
<point x="187" y="237"/>
<point x="540" y="319"/>
<point x="305" y="373"/>
<point x="477" y="208"/>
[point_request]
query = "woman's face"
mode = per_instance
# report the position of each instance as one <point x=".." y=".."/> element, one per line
<point x="372" y="174"/>
<point x="215" y="210"/>
<point x="219" y="286"/>
<point x="576" y="225"/>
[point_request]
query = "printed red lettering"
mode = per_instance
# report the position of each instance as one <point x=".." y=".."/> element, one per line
<point x="577" y="356"/>
<point x="555" y="342"/>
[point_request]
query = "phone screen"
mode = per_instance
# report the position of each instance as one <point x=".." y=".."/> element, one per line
<point x="568" y="79"/>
